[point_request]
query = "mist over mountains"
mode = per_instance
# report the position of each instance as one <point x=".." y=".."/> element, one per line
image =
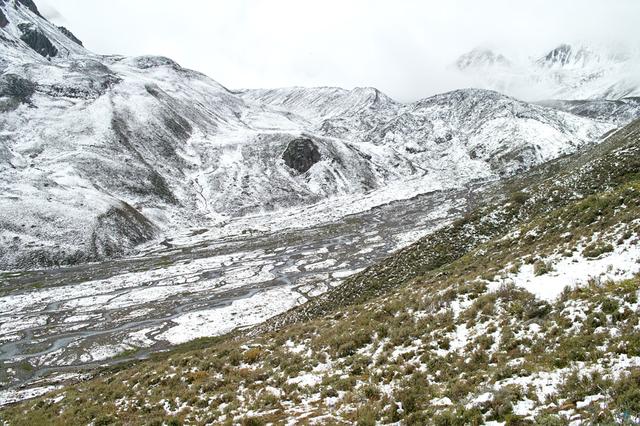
<point x="571" y="72"/>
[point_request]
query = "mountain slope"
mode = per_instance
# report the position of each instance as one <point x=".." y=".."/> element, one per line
<point x="619" y="111"/>
<point x="471" y="324"/>
<point x="101" y="153"/>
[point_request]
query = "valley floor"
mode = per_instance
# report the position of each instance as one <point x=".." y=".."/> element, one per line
<point x="57" y="324"/>
<point x="463" y="344"/>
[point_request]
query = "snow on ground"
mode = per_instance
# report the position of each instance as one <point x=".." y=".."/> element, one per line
<point x="241" y="313"/>
<point x="130" y="289"/>
<point x="320" y="265"/>
<point x="129" y="305"/>
<point x="323" y="212"/>
<point x="622" y="263"/>
<point x="11" y="396"/>
<point x="102" y="352"/>
<point x="307" y="379"/>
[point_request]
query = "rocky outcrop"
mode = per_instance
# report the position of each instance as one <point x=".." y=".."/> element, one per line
<point x="119" y="230"/>
<point x="29" y="4"/>
<point x="147" y="62"/>
<point x="70" y="35"/>
<point x="3" y="19"/>
<point x="36" y="40"/>
<point x="560" y="55"/>
<point x="301" y="155"/>
<point x="14" y="90"/>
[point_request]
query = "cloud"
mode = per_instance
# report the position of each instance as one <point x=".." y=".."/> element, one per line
<point x="51" y="13"/>
<point x="403" y="47"/>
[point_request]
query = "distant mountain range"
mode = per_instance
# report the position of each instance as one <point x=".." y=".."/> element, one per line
<point x="565" y="72"/>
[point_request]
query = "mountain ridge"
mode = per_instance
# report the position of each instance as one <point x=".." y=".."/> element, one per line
<point x="182" y="151"/>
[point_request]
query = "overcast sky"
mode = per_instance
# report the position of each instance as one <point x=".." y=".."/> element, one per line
<point x="402" y="47"/>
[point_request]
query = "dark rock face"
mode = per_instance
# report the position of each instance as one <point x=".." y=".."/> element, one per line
<point x="14" y="90"/>
<point x="15" y="86"/>
<point x="145" y="181"/>
<point x="301" y="155"/>
<point x="37" y="40"/>
<point x="146" y="62"/>
<point x="559" y="55"/>
<point x="3" y="19"/>
<point x="70" y="35"/>
<point x="119" y="230"/>
<point x="29" y="4"/>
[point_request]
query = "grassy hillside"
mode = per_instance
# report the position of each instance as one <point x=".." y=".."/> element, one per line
<point x="470" y="325"/>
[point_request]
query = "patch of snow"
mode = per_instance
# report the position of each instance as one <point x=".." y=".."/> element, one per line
<point x="241" y="313"/>
<point x="622" y="263"/>
<point x="11" y="396"/>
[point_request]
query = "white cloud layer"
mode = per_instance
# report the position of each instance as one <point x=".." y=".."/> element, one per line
<point x="402" y="47"/>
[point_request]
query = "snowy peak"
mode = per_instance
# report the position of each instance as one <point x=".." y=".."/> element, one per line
<point x="29" y="4"/>
<point x="23" y="27"/>
<point x="371" y="96"/>
<point x="481" y="58"/>
<point x="568" y="56"/>
<point x="561" y="56"/>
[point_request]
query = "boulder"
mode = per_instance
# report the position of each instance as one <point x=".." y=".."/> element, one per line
<point x="15" y="90"/>
<point x="301" y="154"/>
<point x="3" y="19"/>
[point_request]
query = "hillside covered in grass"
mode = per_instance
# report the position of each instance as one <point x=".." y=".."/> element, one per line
<point x="523" y="312"/>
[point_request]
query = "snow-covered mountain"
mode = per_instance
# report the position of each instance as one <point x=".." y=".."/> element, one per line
<point x="481" y="58"/>
<point x="101" y="153"/>
<point x="574" y="72"/>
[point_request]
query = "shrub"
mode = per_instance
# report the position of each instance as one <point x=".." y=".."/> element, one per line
<point x="609" y="306"/>
<point x="537" y="309"/>
<point x="631" y="344"/>
<point x="104" y="421"/>
<point x="515" y="420"/>
<point x="252" y="355"/>
<point x="550" y="420"/>
<point x="626" y="392"/>
<point x="461" y="417"/>
<point x="541" y="268"/>
<point x="596" y="250"/>
<point x="366" y="415"/>
<point x="252" y="421"/>
<point x="519" y="197"/>
<point x="371" y="392"/>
